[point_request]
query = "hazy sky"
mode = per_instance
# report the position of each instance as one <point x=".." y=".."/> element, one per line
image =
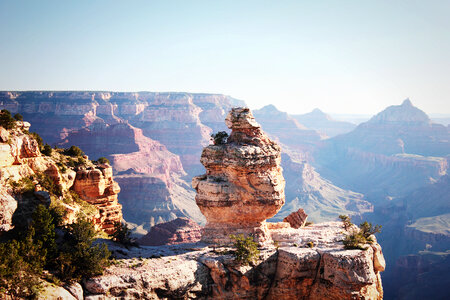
<point x="341" y="56"/>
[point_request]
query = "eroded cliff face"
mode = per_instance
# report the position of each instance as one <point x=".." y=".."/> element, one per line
<point x="150" y="176"/>
<point x="96" y="186"/>
<point x="293" y="271"/>
<point x="22" y="167"/>
<point x="150" y="138"/>
<point x="243" y="185"/>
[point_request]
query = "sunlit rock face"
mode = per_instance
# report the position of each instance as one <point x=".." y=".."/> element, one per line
<point x="97" y="186"/>
<point x="243" y="185"/>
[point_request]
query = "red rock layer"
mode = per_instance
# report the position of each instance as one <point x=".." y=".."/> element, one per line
<point x="96" y="186"/>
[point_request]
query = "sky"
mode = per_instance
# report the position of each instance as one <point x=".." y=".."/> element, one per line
<point x="340" y="56"/>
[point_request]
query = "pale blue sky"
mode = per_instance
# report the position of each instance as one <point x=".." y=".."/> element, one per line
<point x="340" y="56"/>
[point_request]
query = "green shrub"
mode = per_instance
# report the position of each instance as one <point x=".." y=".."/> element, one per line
<point x="6" y="121"/>
<point x="347" y="221"/>
<point x="58" y="213"/>
<point x="361" y="236"/>
<point x="19" y="279"/>
<point x="122" y="234"/>
<point x="103" y="160"/>
<point x="246" y="251"/>
<point x="47" y="150"/>
<point x="18" y="117"/>
<point x="81" y="161"/>
<point x="23" y="186"/>
<point x="22" y="260"/>
<point x="44" y="230"/>
<point x="73" y="151"/>
<point x="47" y="183"/>
<point x="368" y="230"/>
<point x="220" y="138"/>
<point x="78" y="257"/>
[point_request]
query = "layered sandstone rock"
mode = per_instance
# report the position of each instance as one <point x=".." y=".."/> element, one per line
<point x="22" y="161"/>
<point x="294" y="271"/>
<point x="152" y="190"/>
<point x="297" y="218"/>
<point x="96" y="186"/>
<point x="243" y="185"/>
<point x="178" y="231"/>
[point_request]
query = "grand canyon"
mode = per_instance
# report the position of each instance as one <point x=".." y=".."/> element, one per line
<point x="390" y="170"/>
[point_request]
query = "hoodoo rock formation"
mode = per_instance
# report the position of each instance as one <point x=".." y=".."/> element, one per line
<point x="243" y="185"/>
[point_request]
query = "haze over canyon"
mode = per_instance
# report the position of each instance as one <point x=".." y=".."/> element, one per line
<point x="391" y="170"/>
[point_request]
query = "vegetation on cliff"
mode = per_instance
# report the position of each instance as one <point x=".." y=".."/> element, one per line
<point x="25" y="256"/>
<point x="246" y="249"/>
<point x="358" y="237"/>
<point x="6" y="120"/>
<point x="53" y="228"/>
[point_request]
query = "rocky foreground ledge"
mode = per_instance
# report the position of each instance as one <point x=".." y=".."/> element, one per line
<point x="293" y="271"/>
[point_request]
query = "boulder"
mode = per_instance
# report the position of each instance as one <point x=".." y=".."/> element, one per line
<point x="297" y="219"/>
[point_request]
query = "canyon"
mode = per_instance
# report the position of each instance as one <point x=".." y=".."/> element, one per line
<point x="380" y="170"/>
<point x="243" y="186"/>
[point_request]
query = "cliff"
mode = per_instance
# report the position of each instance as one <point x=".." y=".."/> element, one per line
<point x="152" y="140"/>
<point x="150" y="175"/>
<point x="28" y="178"/>
<point x="242" y="187"/>
<point x="293" y="271"/>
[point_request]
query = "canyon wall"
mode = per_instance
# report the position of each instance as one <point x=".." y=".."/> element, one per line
<point x="23" y="180"/>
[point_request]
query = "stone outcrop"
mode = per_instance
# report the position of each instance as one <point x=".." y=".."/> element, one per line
<point x="243" y="184"/>
<point x="151" y="139"/>
<point x="21" y="159"/>
<point x="294" y="271"/>
<point x="178" y="231"/>
<point x="297" y="218"/>
<point x="8" y="206"/>
<point x="96" y="186"/>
